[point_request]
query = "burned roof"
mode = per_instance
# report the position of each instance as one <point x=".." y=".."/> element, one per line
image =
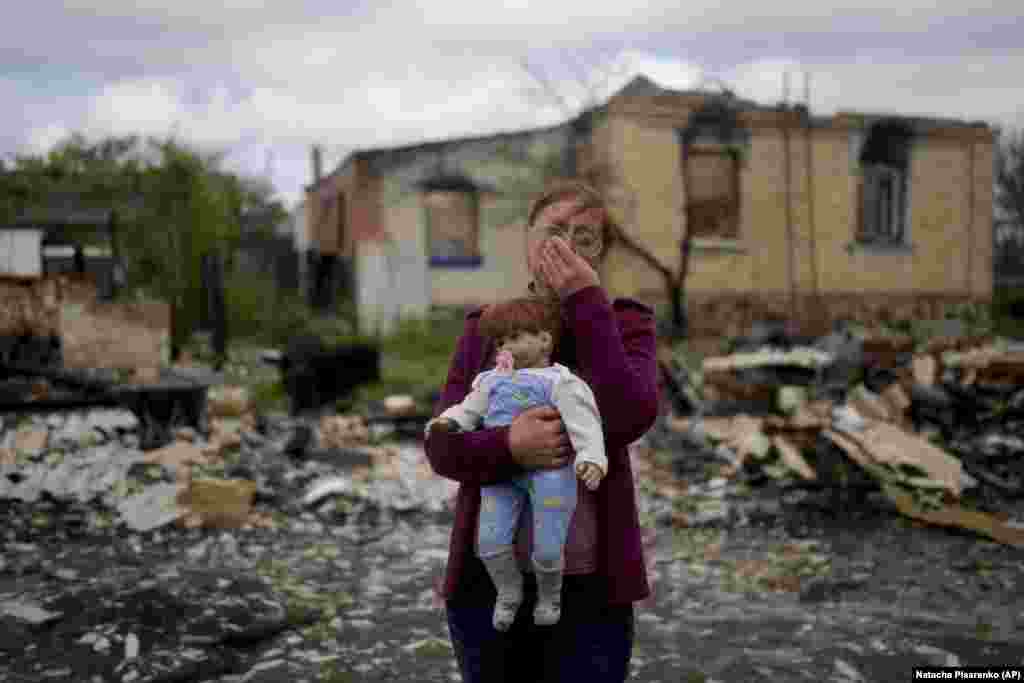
<point x="381" y="159"/>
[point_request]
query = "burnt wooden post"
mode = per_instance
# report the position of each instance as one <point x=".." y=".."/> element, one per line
<point x="214" y="309"/>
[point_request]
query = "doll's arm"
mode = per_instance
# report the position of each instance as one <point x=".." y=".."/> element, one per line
<point x="578" y="408"/>
<point x="469" y="414"/>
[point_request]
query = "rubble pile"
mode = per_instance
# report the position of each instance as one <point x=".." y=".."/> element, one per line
<point x="89" y="464"/>
<point x="933" y="421"/>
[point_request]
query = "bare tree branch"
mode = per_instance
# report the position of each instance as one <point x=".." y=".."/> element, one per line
<point x="636" y="247"/>
<point x="1010" y="174"/>
<point x="594" y="80"/>
<point x="547" y="86"/>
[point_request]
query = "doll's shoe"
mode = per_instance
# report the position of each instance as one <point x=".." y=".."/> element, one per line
<point x="508" y="580"/>
<point x="547" y="613"/>
<point x="505" y="611"/>
<point x="549" y="593"/>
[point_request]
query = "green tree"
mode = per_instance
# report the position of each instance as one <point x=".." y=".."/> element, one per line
<point x="174" y="204"/>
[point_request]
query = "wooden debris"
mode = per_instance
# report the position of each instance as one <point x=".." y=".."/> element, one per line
<point x="30" y="440"/>
<point x="726" y="386"/>
<point x="869" y="404"/>
<point x="146" y="375"/>
<point x="224" y="434"/>
<point x="228" y="401"/>
<point x="790" y="455"/>
<point x="741" y="433"/>
<point x="343" y="431"/>
<point x="178" y="454"/>
<point x="40" y="390"/>
<point x="219" y="503"/>
<point x="98" y="334"/>
<point x="898" y="402"/>
<point x="850" y="447"/>
<point x="401" y="404"/>
<point x="926" y="369"/>
<point x="887" y="444"/>
<point x="956" y="515"/>
<point x="30" y="306"/>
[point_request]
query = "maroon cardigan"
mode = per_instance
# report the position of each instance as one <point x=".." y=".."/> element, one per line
<point x="612" y="347"/>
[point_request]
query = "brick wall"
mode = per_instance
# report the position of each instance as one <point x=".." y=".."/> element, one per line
<point x="949" y="226"/>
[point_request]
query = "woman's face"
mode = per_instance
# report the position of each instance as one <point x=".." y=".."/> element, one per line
<point x="582" y="231"/>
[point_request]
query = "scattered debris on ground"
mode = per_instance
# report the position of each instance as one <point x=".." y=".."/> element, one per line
<point x="194" y="531"/>
<point x="81" y="477"/>
<point x="934" y="423"/>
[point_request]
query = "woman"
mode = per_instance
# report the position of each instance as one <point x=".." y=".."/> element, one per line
<point x="612" y="347"/>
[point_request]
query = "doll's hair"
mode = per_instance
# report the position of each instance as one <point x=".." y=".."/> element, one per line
<point x="524" y="314"/>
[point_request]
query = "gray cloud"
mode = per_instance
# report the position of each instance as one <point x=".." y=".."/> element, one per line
<point x="245" y="75"/>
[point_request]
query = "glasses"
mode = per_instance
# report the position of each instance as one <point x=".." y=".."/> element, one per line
<point x="579" y="235"/>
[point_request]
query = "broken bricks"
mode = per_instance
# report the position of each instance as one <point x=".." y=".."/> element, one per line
<point x="960" y="384"/>
<point x="228" y="401"/>
<point x="343" y="431"/>
<point x="220" y="503"/>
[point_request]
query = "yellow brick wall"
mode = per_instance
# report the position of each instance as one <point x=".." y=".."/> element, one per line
<point x="643" y="154"/>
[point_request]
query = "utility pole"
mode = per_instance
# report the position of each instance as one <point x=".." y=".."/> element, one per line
<point x="788" y="172"/>
<point x="815" y="293"/>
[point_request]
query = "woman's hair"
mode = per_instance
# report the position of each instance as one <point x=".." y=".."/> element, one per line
<point x="589" y="197"/>
<point x="524" y="314"/>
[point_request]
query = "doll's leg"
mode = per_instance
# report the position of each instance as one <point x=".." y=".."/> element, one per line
<point x="500" y="508"/>
<point x="553" y="501"/>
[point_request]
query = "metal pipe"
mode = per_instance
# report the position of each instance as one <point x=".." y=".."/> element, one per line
<point x="790" y="237"/>
<point x="970" y="224"/>
<point x="810" y="193"/>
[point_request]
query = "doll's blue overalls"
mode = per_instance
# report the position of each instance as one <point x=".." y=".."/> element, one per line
<point x="550" y="492"/>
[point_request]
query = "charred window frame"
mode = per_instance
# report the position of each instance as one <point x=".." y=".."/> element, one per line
<point x="712" y="146"/>
<point x="451" y="208"/>
<point x="713" y="192"/>
<point x="883" y="186"/>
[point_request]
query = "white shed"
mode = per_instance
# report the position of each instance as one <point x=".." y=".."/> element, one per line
<point x="21" y="251"/>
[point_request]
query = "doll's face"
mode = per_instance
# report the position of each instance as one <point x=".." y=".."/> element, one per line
<point x="531" y="350"/>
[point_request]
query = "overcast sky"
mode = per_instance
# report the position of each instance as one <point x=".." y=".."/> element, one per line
<point x="265" y="83"/>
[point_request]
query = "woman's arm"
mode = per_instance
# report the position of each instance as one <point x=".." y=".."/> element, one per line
<point x="616" y="351"/>
<point x="479" y="457"/>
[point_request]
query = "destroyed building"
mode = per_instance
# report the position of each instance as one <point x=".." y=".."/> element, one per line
<point x="866" y="216"/>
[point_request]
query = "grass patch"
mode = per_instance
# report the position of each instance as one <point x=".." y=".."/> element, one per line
<point x="984" y="630"/>
<point x="691" y="544"/>
<point x="301" y="600"/>
<point x="332" y="672"/>
<point x="432" y="647"/>
<point x="268" y="395"/>
<point x="415" y="358"/>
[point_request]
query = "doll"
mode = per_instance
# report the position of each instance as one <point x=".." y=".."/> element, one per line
<point x="525" y="331"/>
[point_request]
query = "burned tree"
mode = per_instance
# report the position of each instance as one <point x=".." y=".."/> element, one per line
<point x="711" y="148"/>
